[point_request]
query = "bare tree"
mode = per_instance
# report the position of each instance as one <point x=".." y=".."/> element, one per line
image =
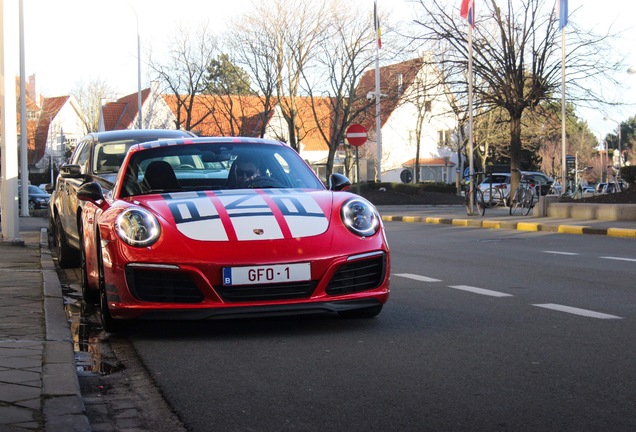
<point x="278" y="39"/>
<point x="342" y="58"/>
<point x="516" y="53"/>
<point x="90" y="97"/>
<point x="252" y="49"/>
<point x="183" y="73"/>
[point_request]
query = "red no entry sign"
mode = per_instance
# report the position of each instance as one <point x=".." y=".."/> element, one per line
<point x="356" y="135"/>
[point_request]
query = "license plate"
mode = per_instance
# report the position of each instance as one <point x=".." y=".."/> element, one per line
<point x="269" y="274"/>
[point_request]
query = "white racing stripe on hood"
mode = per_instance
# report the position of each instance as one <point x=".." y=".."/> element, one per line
<point x="197" y="217"/>
<point x="249" y="213"/>
<point x="303" y="215"/>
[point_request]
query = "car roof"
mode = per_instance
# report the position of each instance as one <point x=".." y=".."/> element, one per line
<point x="207" y="140"/>
<point x="138" y="134"/>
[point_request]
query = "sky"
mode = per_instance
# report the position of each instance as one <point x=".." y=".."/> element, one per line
<point x="73" y="41"/>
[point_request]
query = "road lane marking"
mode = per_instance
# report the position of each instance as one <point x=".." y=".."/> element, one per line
<point x="576" y="311"/>
<point x="481" y="291"/>
<point x="417" y="277"/>
<point x="619" y="258"/>
<point x="560" y="253"/>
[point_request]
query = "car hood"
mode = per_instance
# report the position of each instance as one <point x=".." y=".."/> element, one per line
<point x="243" y="215"/>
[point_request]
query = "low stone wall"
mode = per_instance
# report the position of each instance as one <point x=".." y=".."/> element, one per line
<point x="591" y="211"/>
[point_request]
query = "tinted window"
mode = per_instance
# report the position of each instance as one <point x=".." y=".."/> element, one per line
<point x="216" y="166"/>
<point x="82" y="155"/>
<point x="496" y="179"/>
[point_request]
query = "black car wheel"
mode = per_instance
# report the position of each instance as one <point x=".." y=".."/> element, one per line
<point x="89" y="295"/>
<point x="67" y="257"/>
<point x="109" y="324"/>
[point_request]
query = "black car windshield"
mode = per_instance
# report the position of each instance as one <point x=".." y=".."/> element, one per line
<point x="215" y="166"/>
<point x="110" y="155"/>
<point x="496" y="179"/>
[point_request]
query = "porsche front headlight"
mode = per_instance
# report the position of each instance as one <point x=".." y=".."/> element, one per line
<point x="137" y="227"/>
<point x="360" y="217"/>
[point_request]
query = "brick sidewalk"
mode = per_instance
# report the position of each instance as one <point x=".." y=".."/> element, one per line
<point x="39" y="389"/>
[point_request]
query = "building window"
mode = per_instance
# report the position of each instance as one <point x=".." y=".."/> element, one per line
<point x="444" y="138"/>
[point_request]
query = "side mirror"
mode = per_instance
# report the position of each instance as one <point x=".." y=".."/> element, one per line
<point x="70" y="171"/>
<point x="338" y="182"/>
<point x="92" y="192"/>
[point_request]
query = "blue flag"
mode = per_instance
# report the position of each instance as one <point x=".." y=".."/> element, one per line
<point x="562" y="13"/>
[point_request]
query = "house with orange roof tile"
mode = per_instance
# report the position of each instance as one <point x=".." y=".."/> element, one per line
<point x="59" y="127"/>
<point x="53" y="126"/>
<point x="410" y="90"/>
<point x="240" y="115"/>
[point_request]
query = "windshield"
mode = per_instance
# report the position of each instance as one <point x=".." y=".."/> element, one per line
<point x="215" y="166"/>
<point x="496" y="179"/>
<point x="110" y="155"/>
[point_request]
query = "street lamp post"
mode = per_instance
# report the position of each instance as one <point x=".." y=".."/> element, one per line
<point x="139" y="114"/>
<point x="602" y="149"/>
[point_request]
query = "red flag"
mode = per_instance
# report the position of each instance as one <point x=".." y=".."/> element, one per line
<point x="467" y="11"/>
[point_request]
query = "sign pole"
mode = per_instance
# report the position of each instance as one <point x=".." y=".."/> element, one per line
<point x="356" y="136"/>
<point x="357" y="167"/>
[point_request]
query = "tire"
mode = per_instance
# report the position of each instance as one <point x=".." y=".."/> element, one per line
<point x="501" y="199"/>
<point x="109" y="324"/>
<point x="514" y="203"/>
<point x="31" y="206"/>
<point x="365" y="313"/>
<point x="469" y="211"/>
<point x="67" y="257"/>
<point x="481" y="205"/>
<point x="89" y="295"/>
<point x="528" y="202"/>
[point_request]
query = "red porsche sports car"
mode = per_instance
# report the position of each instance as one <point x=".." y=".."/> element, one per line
<point x="200" y="228"/>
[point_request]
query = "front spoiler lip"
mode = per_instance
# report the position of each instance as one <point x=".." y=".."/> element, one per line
<point x="261" y="311"/>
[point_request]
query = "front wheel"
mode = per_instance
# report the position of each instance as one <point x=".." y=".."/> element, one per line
<point x="109" y="324"/>
<point x="89" y="295"/>
<point x="527" y="203"/>
<point x="479" y="201"/>
<point x="516" y="201"/>
<point x="67" y="257"/>
<point x="469" y="210"/>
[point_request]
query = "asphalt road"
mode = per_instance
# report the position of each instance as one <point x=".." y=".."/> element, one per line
<point x="486" y="330"/>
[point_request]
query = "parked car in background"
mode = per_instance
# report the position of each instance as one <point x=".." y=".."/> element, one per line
<point x="600" y="187"/>
<point x="228" y="227"/>
<point x="588" y="191"/>
<point x="491" y="183"/>
<point x="613" y="187"/>
<point x="545" y="181"/>
<point x="38" y="198"/>
<point x="503" y="180"/>
<point x="97" y="158"/>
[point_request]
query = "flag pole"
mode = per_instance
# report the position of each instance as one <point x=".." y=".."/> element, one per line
<point x="467" y="11"/>
<point x="562" y="11"/>
<point x="471" y="168"/>
<point x="564" y="174"/>
<point x="378" y="120"/>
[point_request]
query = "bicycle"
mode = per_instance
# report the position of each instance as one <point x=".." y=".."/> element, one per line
<point x="574" y="188"/>
<point x="495" y="195"/>
<point x="477" y="195"/>
<point x="524" y="196"/>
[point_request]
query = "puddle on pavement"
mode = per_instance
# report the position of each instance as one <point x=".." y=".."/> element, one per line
<point x="92" y="353"/>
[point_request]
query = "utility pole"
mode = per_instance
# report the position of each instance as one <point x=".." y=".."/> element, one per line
<point x="9" y="34"/>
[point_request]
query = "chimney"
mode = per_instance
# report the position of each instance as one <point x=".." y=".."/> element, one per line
<point x="31" y="88"/>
